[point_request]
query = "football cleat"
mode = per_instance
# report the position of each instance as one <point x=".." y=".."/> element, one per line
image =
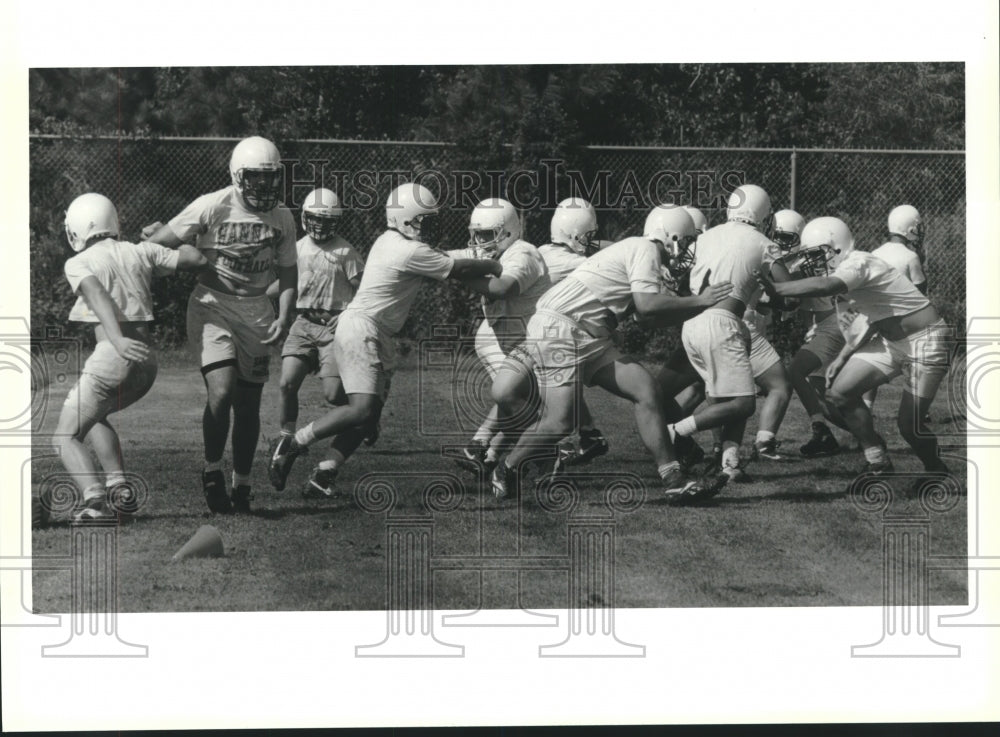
<point x="241" y="499"/>
<point x="882" y="468"/>
<point x="592" y="445"/>
<point x="213" y="483"/>
<point x="95" y="509"/>
<point x="320" y="485"/>
<point x="474" y="454"/>
<point x="692" y="493"/>
<point x="822" y="442"/>
<point x="677" y="482"/>
<point x="766" y="449"/>
<point x="503" y="482"/>
<point x="283" y="454"/>
<point x="688" y="452"/>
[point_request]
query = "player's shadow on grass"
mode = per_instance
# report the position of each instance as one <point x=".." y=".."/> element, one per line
<point x="804" y="496"/>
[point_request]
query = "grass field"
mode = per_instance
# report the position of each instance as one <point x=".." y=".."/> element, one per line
<point x="790" y="538"/>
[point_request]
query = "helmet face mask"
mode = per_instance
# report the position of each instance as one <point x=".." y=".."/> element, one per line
<point x="826" y="241"/>
<point x="574" y="225"/>
<point x="787" y="231"/>
<point x="427" y="227"/>
<point x="494" y="226"/>
<point x="680" y="258"/>
<point x="320" y="228"/>
<point x="255" y="168"/>
<point x="817" y="260"/>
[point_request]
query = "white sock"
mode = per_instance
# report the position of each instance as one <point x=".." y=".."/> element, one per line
<point x="93" y="491"/>
<point x="817" y="417"/>
<point x="687" y="426"/>
<point x="335" y="461"/>
<point x="483" y="434"/>
<point x="875" y="455"/>
<point x="213" y="466"/>
<point x="241" y="479"/>
<point x="288" y="432"/>
<point x="306" y="436"/>
<point x="763" y="436"/>
<point x="666" y="468"/>
<point x="114" y="478"/>
<point x="730" y="454"/>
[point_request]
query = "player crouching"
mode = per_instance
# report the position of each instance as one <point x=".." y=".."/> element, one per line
<point x="399" y="262"/>
<point x="570" y="340"/>
<point x="113" y="280"/>
<point x="916" y="339"/>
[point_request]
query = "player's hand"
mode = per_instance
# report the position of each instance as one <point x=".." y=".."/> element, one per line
<point x="150" y="229"/>
<point x="715" y="293"/>
<point x="131" y="350"/>
<point x="276" y="333"/>
<point x="766" y="284"/>
<point x="496" y="268"/>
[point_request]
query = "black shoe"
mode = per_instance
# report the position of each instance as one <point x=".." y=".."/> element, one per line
<point x="214" y="485"/>
<point x="95" y="509"/>
<point x="883" y="468"/>
<point x="321" y="483"/>
<point x="592" y="445"/>
<point x="692" y="492"/>
<point x="503" y="482"/>
<point x="283" y="454"/>
<point x="767" y="449"/>
<point x="474" y="454"/>
<point x="241" y="499"/>
<point x="689" y="453"/>
<point x="822" y="442"/>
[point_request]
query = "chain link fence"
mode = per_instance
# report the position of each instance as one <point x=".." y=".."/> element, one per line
<point x="154" y="179"/>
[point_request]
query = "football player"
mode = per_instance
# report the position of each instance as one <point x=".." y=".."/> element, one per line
<point x="718" y="341"/>
<point x="113" y="281"/>
<point x="329" y="274"/>
<point x="246" y="235"/>
<point x="570" y="340"/>
<point x="916" y="336"/>
<point x="399" y="262"/>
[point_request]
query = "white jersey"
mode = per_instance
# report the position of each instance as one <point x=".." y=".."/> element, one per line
<point x="125" y="270"/>
<point x="395" y="271"/>
<point x="903" y="260"/>
<point x="732" y="252"/>
<point x="242" y="245"/>
<point x="598" y="294"/>
<point x="877" y="290"/>
<point x="560" y="260"/>
<point x="521" y="261"/>
<point x="325" y="273"/>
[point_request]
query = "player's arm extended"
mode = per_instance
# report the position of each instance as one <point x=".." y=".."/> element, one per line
<point x="495" y="288"/>
<point x="100" y="302"/>
<point x="811" y="286"/>
<point x="779" y="273"/>
<point x="664" y="309"/>
<point x="164" y="235"/>
<point x="467" y="269"/>
<point x="190" y="258"/>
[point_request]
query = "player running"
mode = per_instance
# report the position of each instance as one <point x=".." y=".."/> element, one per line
<point x="399" y="262"/>
<point x="246" y="235"/>
<point x="113" y="281"/>
<point x="915" y="335"/>
<point x="570" y="340"/>
<point x="718" y="341"/>
<point x="329" y="274"/>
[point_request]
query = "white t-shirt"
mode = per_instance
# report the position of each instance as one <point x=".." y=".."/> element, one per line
<point x="125" y="270"/>
<point x="877" y="290"/>
<point x="395" y="271"/>
<point x="325" y="273"/>
<point x="521" y="261"/>
<point x="732" y="252"/>
<point x="598" y="294"/>
<point x="560" y="260"/>
<point x="903" y="260"/>
<point x="242" y="245"/>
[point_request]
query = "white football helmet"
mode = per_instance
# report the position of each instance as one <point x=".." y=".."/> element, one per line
<point x="88" y="218"/>
<point x="255" y="167"/>
<point x="494" y="226"/>
<point x="673" y="228"/>
<point x="826" y="241"/>
<point x="413" y="212"/>
<point x="905" y="220"/>
<point x="697" y="217"/>
<point x="788" y="226"/>
<point x="750" y="204"/>
<point x="321" y="212"/>
<point x="574" y="224"/>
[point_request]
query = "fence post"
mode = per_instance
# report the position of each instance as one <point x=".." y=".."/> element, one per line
<point x="793" y="180"/>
